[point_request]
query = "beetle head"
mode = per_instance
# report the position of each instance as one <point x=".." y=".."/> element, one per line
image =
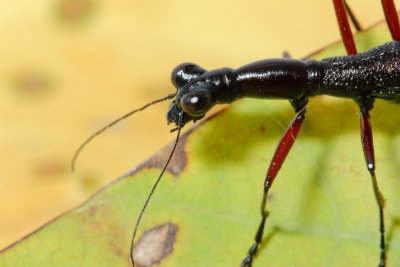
<point x="195" y="94"/>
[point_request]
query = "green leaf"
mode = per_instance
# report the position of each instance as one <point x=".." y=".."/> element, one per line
<point x="205" y="211"/>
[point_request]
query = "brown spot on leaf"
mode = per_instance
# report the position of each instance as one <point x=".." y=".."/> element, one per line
<point x="31" y="83"/>
<point x="154" y="245"/>
<point x="177" y="163"/>
<point x="74" y="10"/>
<point x="50" y="168"/>
<point x="92" y="211"/>
<point x="179" y="159"/>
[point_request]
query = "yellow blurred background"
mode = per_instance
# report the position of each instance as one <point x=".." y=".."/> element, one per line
<point x="67" y="67"/>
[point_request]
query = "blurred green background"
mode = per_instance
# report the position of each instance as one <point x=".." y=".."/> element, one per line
<point x="70" y="66"/>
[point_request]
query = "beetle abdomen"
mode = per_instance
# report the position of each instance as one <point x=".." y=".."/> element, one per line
<point x="375" y="73"/>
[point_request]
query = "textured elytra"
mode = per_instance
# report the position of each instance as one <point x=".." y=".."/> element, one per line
<point x="375" y="73"/>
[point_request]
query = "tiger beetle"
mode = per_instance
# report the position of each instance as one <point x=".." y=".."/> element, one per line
<point x="363" y="77"/>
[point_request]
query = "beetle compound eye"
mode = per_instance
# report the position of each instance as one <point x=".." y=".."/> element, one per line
<point x="185" y="72"/>
<point x="197" y="103"/>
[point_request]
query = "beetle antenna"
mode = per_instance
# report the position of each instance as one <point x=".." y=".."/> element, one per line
<point x="78" y="151"/>
<point x="181" y="124"/>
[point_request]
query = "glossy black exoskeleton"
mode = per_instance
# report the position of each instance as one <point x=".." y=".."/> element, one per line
<point x="362" y="77"/>
<point x="372" y="74"/>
